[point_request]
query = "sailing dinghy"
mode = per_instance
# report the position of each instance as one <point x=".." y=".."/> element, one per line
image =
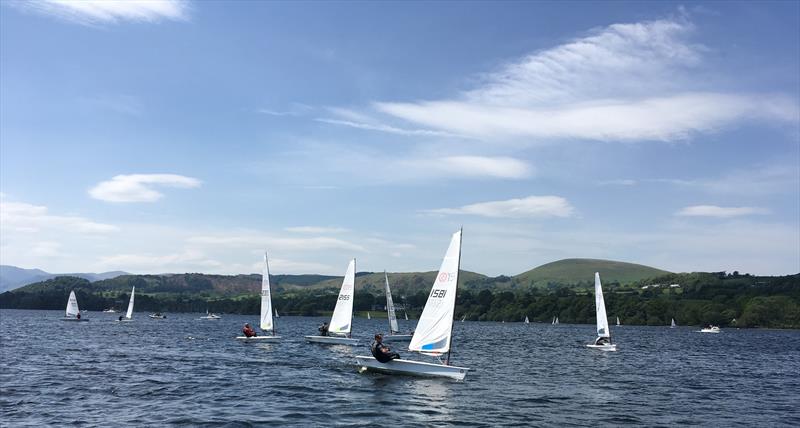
<point x="266" y="323"/>
<point x="603" y="341"/>
<point x="394" y="330"/>
<point x="339" y="330"/>
<point x="73" y="313"/>
<point x="618" y="324"/>
<point x="129" y="314"/>
<point x="434" y="332"/>
<point x="368" y="317"/>
<point x="527" y="321"/>
<point x="673" y="325"/>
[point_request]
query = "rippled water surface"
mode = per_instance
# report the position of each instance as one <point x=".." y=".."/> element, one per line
<point x="185" y="371"/>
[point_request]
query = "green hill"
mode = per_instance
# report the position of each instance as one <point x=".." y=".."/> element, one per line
<point x="581" y="272"/>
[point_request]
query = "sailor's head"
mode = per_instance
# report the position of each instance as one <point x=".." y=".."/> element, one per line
<point x="247" y="324"/>
<point x="378" y="337"/>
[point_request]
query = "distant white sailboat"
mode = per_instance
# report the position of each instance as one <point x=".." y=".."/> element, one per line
<point x="340" y="327"/>
<point x="603" y="341"/>
<point x="527" y="321"/>
<point x="276" y="314"/>
<point x="129" y="314"/>
<point x="673" y="325"/>
<point x="618" y="324"/>
<point x="463" y="318"/>
<point x="434" y="332"/>
<point x="210" y="316"/>
<point x="266" y="323"/>
<point x="72" y="312"/>
<point x="394" y="330"/>
<point x="406" y="314"/>
<point x="368" y="317"/>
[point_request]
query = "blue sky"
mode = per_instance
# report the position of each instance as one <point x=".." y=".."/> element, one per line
<point x="186" y="136"/>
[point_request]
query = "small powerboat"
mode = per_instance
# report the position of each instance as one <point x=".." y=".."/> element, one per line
<point x="710" y="329"/>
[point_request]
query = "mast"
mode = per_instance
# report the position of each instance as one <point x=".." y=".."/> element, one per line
<point x="452" y="321"/>
<point x="269" y="288"/>
<point x="350" y="333"/>
<point x="388" y="316"/>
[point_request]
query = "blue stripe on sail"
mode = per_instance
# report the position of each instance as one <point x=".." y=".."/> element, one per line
<point x="344" y="327"/>
<point x="435" y="345"/>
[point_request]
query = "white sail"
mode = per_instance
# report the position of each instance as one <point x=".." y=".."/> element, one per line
<point x="527" y="321"/>
<point x="72" y="305"/>
<point x="393" y="327"/>
<point x="129" y="314"/>
<point x="673" y="323"/>
<point x="342" y="318"/>
<point x="368" y="317"/>
<point x="435" y="327"/>
<point x="266" y="299"/>
<point x="406" y="314"/>
<point x="618" y="321"/>
<point x="602" y="319"/>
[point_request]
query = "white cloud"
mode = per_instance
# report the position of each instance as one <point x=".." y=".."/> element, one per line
<point x="385" y="128"/>
<point x="93" y="12"/>
<point x="295" y="109"/>
<point x="186" y="260"/>
<point x="625" y="82"/>
<point x="530" y="207"/>
<point x="24" y="217"/>
<point x="138" y="187"/>
<point x="315" y="229"/>
<point x="256" y="240"/>
<point x="619" y="182"/>
<point x="723" y="212"/>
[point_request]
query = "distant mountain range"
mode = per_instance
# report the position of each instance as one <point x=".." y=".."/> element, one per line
<point x="12" y="277"/>
<point x="575" y="272"/>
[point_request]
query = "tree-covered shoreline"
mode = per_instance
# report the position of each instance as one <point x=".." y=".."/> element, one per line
<point x="701" y="298"/>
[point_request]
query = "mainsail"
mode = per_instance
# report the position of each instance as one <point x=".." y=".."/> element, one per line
<point x="266" y="299"/>
<point x="72" y="305"/>
<point x="343" y="313"/>
<point x="435" y="328"/>
<point x="393" y="327"/>
<point x="602" y="319"/>
<point x="129" y="314"/>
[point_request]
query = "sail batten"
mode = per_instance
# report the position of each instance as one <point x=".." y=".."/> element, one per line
<point x="434" y="330"/>
<point x="342" y="318"/>
<point x="602" y="319"/>
<point x="266" y="323"/>
<point x="393" y="327"/>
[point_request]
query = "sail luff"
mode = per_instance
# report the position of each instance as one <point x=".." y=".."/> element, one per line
<point x="129" y="313"/>
<point x="393" y="327"/>
<point x="602" y="318"/>
<point x="266" y="323"/>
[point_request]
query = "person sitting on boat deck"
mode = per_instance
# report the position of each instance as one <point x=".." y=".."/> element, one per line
<point x="78" y="316"/>
<point x="323" y="329"/>
<point x="602" y="341"/>
<point x="382" y="352"/>
<point x="248" y="331"/>
<point x="120" y="317"/>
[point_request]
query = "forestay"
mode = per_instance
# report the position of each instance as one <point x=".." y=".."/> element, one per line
<point x="266" y="299"/>
<point x="129" y="314"/>
<point x="602" y="319"/>
<point x="72" y="305"/>
<point x="393" y="327"/>
<point x="435" y="328"/>
<point x="342" y="318"/>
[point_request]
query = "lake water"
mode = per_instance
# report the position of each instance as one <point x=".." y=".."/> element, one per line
<point x="184" y="371"/>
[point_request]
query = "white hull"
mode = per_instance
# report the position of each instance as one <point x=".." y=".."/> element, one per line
<point x="397" y="338"/>
<point x="257" y="338"/>
<point x="332" y="340"/>
<point x="125" y="320"/>
<point x="156" y="318"/>
<point x="411" y="368"/>
<point x="708" y="330"/>
<point x="74" y="319"/>
<point x="606" y="348"/>
<point x="210" y="318"/>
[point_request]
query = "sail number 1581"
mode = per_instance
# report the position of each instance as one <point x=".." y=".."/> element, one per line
<point x="438" y="293"/>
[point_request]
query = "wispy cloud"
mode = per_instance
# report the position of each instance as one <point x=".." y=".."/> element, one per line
<point x="385" y="128"/>
<point x="139" y="187"/>
<point x="24" y="217"/>
<point x="475" y="166"/>
<point x="295" y="109"/>
<point x="619" y="182"/>
<point x="316" y="229"/>
<point x="94" y="12"/>
<point x="625" y="82"/>
<point x="722" y="212"/>
<point x="530" y="207"/>
<point x="255" y="240"/>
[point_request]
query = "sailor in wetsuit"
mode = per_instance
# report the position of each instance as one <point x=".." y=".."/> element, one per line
<point x="248" y="331"/>
<point x="323" y="329"/>
<point x="602" y="341"/>
<point x="382" y="352"/>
